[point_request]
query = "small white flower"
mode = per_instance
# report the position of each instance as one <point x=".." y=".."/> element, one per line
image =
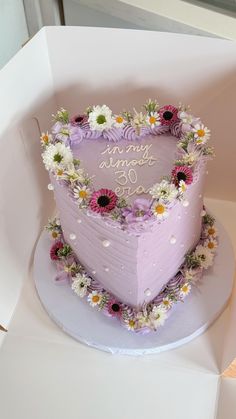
<point x="182" y="187"/>
<point x="45" y="138"/>
<point x="100" y="118"/>
<point x="130" y="324"/>
<point x="82" y="194"/>
<point x="205" y="256"/>
<point x="153" y="119"/>
<point x="201" y="133"/>
<point x="94" y="298"/>
<point x="138" y="120"/>
<point x="160" y="210"/>
<point x="189" y="274"/>
<point x="57" y="156"/>
<point x="157" y="317"/>
<point x="166" y="303"/>
<point x="80" y="284"/>
<point x="164" y="191"/>
<point x="118" y="121"/>
<point x="211" y="244"/>
<point x="211" y="231"/>
<point x="186" y="118"/>
<point x="185" y="290"/>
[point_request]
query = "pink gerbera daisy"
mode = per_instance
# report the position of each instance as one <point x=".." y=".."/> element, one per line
<point x="182" y="173"/>
<point x="79" y="119"/>
<point x="114" y="308"/>
<point x="168" y="115"/>
<point x="54" y="250"/>
<point x="103" y="200"/>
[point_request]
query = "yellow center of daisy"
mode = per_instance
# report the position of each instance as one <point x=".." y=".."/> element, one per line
<point x="152" y="119"/>
<point x="60" y="172"/>
<point x="185" y="288"/>
<point x="45" y="138"/>
<point x="131" y="323"/>
<point x="166" y="303"/>
<point x="83" y="194"/>
<point x="200" y="132"/>
<point x="95" y="298"/>
<point x="159" y="209"/>
<point x="54" y="234"/>
<point x="211" y="245"/>
<point x="119" y="119"/>
<point x="211" y="231"/>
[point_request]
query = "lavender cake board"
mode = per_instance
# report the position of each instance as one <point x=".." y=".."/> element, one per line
<point x="91" y="327"/>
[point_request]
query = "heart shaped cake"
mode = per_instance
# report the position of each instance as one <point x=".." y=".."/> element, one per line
<point x="133" y="233"/>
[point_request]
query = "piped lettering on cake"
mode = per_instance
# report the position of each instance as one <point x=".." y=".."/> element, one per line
<point x="125" y="168"/>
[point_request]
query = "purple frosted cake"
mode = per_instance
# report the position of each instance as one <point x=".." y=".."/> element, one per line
<point x="132" y="235"/>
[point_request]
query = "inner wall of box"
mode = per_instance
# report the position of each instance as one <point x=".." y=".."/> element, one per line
<point x="172" y="68"/>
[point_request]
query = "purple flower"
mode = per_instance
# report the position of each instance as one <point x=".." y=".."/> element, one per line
<point x="139" y="212"/>
<point x="67" y="133"/>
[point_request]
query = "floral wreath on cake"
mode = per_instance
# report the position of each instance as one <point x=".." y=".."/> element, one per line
<point x="99" y="121"/>
<point x="151" y="315"/>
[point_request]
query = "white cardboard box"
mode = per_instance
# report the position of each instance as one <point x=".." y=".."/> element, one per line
<point x="74" y="67"/>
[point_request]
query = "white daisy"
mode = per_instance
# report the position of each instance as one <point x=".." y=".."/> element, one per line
<point x="205" y="256"/>
<point x="211" y="243"/>
<point x="82" y="194"/>
<point x="166" y="303"/>
<point x="157" y="317"/>
<point x="153" y="119"/>
<point x="118" y="121"/>
<point x="130" y="324"/>
<point x="182" y="187"/>
<point x="80" y="284"/>
<point x="45" y="138"/>
<point x="142" y="319"/>
<point x="160" y="210"/>
<point x="185" y="290"/>
<point x="211" y="231"/>
<point x="164" y="191"/>
<point x="57" y="156"/>
<point x="94" y="298"/>
<point x="201" y="133"/>
<point x="100" y="118"/>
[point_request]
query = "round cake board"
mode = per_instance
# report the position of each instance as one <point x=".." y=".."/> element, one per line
<point x="91" y="327"/>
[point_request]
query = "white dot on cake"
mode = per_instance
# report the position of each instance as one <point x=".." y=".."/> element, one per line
<point x="50" y="187"/>
<point x="147" y="292"/>
<point x="122" y="267"/>
<point x="79" y="221"/>
<point x="185" y="203"/>
<point x="106" y="243"/>
<point x="179" y="217"/>
<point x="127" y="241"/>
<point x="93" y="272"/>
<point x="154" y="264"/>
<point x="106" y="269"/>
<point x="173" y="240"/>
<point x="72" y="236"/>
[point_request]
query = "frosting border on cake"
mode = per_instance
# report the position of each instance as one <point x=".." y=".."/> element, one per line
<point x="151" y="315"/>
<point x="99" y="121"/>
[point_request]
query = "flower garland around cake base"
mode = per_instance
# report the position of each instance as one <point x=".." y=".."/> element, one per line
<point x="151" y="315"/>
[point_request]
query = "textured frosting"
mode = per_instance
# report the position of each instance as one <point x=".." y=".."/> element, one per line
<point x="131" y="264"/>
